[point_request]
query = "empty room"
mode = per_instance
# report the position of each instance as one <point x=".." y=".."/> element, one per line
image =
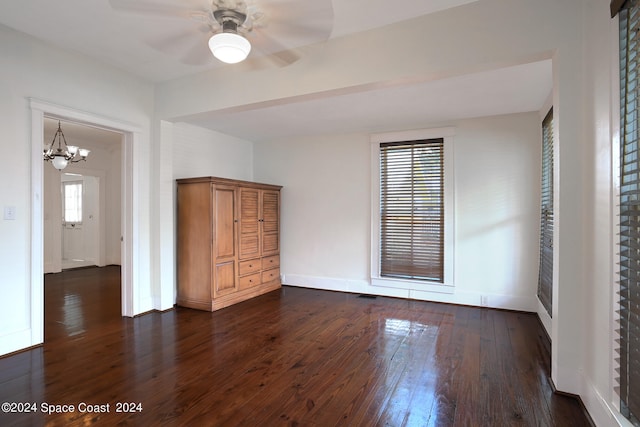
<point x="338" y="212"/>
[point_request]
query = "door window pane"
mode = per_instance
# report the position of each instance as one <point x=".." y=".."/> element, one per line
<point x="72" y="201"/>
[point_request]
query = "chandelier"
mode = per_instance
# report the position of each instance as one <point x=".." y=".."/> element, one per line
<point x="61" y="156"/>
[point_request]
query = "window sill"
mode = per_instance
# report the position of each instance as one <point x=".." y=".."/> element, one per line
<point x="414" y="285"/>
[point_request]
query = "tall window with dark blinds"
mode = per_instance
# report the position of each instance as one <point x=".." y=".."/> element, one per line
<point x="412" y="210"/>
<point x="545" y="274"/>
<point x="629" y="286"/>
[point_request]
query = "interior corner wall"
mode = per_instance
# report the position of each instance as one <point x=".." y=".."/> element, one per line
<point x="326" y="211"/>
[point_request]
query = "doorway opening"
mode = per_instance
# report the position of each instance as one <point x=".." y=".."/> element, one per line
<point x="82" y="202"/>
<point x="82" y="230"/>
<point x="130" y="137"/>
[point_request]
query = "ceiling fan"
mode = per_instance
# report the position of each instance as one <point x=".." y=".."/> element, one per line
<point x="230" y="28"/>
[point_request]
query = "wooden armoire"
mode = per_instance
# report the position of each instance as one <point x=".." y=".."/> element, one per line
<point x="228" y="241"/>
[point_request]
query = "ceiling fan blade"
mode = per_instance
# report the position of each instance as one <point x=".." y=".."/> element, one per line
<point x="198" y="53"/>
<point x="155" y="8"/>
<point x="293" y="23"/>
<point x="173" y="45"/>
<point x="190" y="46"/>
<point x="272" y="50"/>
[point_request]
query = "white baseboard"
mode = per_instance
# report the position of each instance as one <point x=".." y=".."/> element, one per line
<point x="508" y="302"/>
<point x="601" y="411"/>
<point x="544" y="317"/>
<point x="15" y="341"/>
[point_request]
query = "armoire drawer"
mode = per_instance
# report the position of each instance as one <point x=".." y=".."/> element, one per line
<point x="249" y="281"/>
<point x="248" y="267"/>
<point x="270" y="262"/>
<point x="270" y="275"/>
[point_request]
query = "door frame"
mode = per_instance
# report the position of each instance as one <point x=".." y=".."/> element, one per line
<point x="131" y="138"/>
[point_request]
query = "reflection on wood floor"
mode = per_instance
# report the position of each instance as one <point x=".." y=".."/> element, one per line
<point x="296" y="357"/>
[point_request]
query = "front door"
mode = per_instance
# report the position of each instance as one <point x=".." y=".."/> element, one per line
<point x="72" y="209"/>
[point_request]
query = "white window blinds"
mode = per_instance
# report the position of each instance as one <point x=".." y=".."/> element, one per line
<point x="629" y="286"/>
<point x="545" y="275"/>
<point x="412" y="210"/>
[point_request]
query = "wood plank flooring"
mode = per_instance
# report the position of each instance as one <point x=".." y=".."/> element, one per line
<point x="294" y="357"/>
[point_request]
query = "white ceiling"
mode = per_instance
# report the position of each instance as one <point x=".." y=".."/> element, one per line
<point x="516" y="89"/>
<point x="82" y="136"/>
<point x="155" y="45"/>
<point x="125" y="38"/>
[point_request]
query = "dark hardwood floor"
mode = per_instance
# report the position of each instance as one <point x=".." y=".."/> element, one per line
<point x="295" y="357"/>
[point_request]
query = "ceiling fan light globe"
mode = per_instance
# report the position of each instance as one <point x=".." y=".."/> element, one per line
<point x="229" y="47"/>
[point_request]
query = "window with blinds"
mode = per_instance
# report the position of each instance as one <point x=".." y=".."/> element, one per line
<point x="412" y="210"/>
<point x="629" y="205"/>
<point x="545" y="274"/>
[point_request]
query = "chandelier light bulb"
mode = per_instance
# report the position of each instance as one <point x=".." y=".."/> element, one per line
<point x="59" y="162"/>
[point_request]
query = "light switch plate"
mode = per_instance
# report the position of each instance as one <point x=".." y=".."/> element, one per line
<point x="10" y="213"/>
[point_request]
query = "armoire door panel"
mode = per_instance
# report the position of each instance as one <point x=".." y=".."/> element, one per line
<point x="225" y="278"/>
<point x="249" y="223"/>
<point x="224" y="237"/>
<point x="270" y="211"/>
<point x="249" y="199"/>
<point x="249" y="246"/>
<point x="194" y="241"/>
<point x="270" y="244"/>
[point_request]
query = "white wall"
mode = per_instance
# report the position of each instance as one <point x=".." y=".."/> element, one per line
<point x="32" y="69"/>
<point x="202" y="152"/>
<point x="326" y="211"/>
<point x="325" y="207"/>
<point x="497" y="166"/>
<point x="600" y="138"/>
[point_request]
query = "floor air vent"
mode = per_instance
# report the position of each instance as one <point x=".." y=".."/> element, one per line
<point x="367" y="296"/>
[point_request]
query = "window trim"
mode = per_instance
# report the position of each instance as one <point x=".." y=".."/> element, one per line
<point x="447" y="134"/>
